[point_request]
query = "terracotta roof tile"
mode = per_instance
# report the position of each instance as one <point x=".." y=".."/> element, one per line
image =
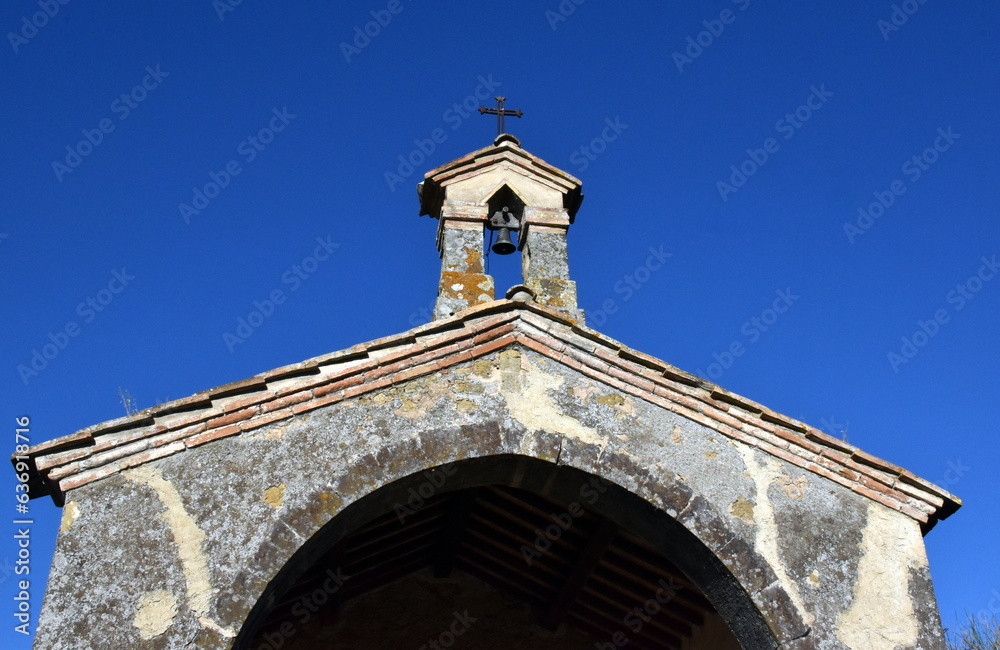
<point x="212" y="434"/>
<point x="56" y="459"/>
<point x="314" y="404"/>
<point x="236" y="387"/>
<point x="776" y="418"/>
<point x="89" y="476"/>
<point x="249" y="400"/>
<point x="326" y="389"/>
<point x="154" y="454"/>
<point x="682" y="377"/>
<point x="265" y="419"/>
<point x="115" y="454"/>
<point x="830" y="441"/>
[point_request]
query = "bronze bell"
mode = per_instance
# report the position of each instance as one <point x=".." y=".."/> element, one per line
<point x="503" y="245"/>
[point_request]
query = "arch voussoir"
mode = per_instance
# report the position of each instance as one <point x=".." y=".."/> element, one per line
<point x="658" y="507"/>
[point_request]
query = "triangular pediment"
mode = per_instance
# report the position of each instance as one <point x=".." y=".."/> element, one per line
<point x="284" y="393"/>
<point x="474" y="177"/>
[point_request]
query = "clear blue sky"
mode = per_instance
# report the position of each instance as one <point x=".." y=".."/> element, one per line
<point x="739" y="137"/>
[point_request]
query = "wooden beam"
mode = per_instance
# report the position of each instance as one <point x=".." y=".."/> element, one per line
<point x="451" y="532"/>
<point x="585" y="563"/>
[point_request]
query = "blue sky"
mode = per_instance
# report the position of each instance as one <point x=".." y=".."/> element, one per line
<point x="169" y="167"/>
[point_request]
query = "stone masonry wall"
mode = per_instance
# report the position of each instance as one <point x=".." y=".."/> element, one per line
<point x="175" y="553"/>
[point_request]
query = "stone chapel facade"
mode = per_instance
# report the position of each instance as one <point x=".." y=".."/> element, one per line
<point x="500" y="477"/>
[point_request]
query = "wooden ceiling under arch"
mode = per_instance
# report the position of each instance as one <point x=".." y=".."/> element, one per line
<point x="571" y="565"/>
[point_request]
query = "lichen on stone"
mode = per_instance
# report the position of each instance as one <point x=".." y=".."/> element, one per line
<point x="274" y="496"/>
<point x="743" y="509"/>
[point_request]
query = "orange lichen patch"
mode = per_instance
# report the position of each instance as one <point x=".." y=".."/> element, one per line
<point x="554" y="293"/>
<point x="473" y="260"/>
<point x="466" y="286"/>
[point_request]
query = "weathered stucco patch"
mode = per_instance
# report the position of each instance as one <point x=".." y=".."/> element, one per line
<point x="187" y="536"/>
<point x="157" y="611"/>
<point x="274" y="496"/>
<point x="70" y="512"/>
<point x="526" y="391"/>
<point x="277" y="431"/>
<point x="881" y="614"/>
<point x="467" y="387"/>
<point x="623" y="406"/>
<point x="483" y="368"/>
<point x="416" y="397"/>
<point x="583" y="392"/>
<point x="612" y="399"/>
<point x="795" y="488"/>
<point x="763" y="473"/>
<point x="208" y="623"/>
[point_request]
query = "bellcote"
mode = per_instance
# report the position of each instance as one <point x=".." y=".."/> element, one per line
<point x="502" y="186"/>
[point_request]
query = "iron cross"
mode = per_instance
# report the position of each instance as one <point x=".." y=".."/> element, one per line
<point x="500" y="112"/>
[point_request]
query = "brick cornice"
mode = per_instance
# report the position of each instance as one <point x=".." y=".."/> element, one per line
<point x="104" y="449"/>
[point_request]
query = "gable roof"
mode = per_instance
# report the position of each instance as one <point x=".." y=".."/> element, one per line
<point x="504" y="152"/>
<point x="98" y="451"/>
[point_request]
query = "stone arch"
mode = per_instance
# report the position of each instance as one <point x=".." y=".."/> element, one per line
<point x="686" y="527"/>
